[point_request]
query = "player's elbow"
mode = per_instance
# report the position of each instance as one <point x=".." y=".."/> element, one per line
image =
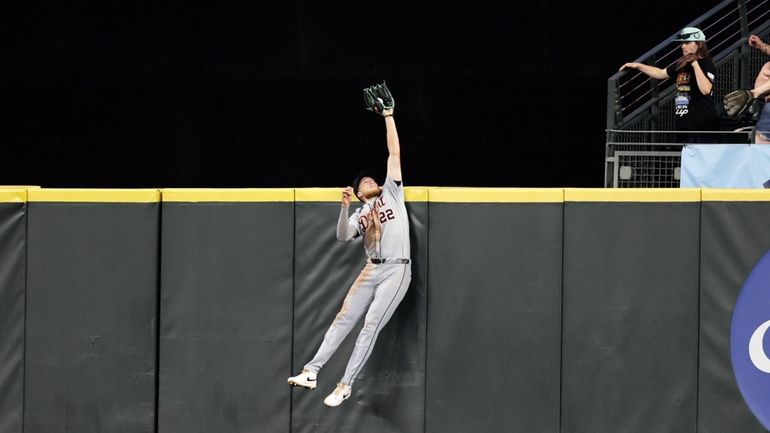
<point x="345" y="237"/>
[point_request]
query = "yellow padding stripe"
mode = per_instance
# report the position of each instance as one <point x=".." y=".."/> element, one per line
<point x="94" y="195"/>
<point x="416" y="194"/>
<point x="318" y="194"/>
<point x="411" y="194"/>
<point x="736" y="194"/>
<point x="13" y="195"/>
<point x="212" y="195"/>
<point x="660" y="195"/>
<point x="496" y="195"/>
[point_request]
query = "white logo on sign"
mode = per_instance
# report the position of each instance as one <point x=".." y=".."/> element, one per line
<point x="756" y="351"/>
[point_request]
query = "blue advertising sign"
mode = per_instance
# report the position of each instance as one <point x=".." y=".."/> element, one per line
<point x="750" y="342"/>
<point x="725" y="166"/>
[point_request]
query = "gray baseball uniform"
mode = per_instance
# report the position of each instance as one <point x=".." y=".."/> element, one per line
<point x="381" y="285"/>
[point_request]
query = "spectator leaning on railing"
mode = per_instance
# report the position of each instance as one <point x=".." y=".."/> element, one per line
<point x="695" y="73"/>
<point x="762" y="87"/>
<point x="739" y="101"/>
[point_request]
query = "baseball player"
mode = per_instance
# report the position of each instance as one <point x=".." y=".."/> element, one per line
<point x="383" y="223"/>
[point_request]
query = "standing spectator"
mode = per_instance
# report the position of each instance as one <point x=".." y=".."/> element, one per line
<point x="695" y="73"/>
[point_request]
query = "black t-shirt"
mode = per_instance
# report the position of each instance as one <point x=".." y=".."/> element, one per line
<point x="693" y="111"/>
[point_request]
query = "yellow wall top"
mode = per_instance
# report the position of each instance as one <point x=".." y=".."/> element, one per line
<point x="736" y="194"/>
<point x="497" y="195"/>
<point x="228" y="195"/>
<point x="660" y="195"/>
<point x="411" y="194"/>
<point x="9" y="195"/>
<point x="94" y="195"/>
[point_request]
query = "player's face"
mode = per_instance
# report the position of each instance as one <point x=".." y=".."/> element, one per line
<point x="368" y="188"/>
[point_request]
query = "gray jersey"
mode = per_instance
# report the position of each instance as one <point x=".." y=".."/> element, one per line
<point x="384" y="223"/>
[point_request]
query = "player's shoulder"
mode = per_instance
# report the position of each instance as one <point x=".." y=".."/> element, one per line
<point x="356" y="212"/>
<point x="389" y="181"/>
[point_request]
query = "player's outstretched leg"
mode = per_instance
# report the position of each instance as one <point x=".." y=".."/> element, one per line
<point x="389" y="295"/>
<point x="306" y="379"/>
<point x="353" y="307"/>
<point x="340" y="394"/>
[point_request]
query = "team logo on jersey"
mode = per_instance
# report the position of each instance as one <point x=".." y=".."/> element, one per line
<point x="378" y="211"/>
<point x="683" y="78"/>
<point x="750" y="342"/>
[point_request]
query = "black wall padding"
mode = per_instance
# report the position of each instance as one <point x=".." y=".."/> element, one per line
<point x="389" y="394"/>
<point x="574" y="317"/>
<point x="494" y="317"/>
<point x="91" y="309"/>
<point x="13" y="221"/>
<point x="734" y="237"/>
<point x="630" y="317"/>
<point x="226" y="315"/>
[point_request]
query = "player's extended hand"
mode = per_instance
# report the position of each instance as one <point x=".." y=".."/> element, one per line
<point x="379" y="99"/>
<point x="347" y="194"/>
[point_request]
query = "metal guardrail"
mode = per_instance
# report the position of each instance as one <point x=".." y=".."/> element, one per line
<point x="652" y="159"/>
<point x="640" y="109"/>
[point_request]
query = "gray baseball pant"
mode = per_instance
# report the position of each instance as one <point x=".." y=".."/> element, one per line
<point x="377" y="292"/>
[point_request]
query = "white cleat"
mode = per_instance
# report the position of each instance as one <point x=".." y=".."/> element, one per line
<point x="306" y="379"/>
<point x="340" y="394"/>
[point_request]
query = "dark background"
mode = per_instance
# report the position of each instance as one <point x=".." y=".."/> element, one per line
<point x="242" y="94"/>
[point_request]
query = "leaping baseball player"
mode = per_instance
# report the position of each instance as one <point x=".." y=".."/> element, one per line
<point x="383" y="223"/>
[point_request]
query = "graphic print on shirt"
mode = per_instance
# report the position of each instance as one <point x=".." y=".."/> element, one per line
<point x="682" y="101"/>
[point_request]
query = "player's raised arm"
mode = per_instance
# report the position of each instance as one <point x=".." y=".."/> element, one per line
<point x="379" y="99"/>
<point x="394" y="148"/>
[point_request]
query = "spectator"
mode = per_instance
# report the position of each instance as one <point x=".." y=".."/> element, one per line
<point x="695" y="73"/>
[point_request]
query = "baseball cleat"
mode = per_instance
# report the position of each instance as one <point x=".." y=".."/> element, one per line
<point x="306" y="379"/>
<point x="340" y="394"/>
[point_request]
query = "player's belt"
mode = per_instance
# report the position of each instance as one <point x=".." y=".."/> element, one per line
<point x="389" y="261"/>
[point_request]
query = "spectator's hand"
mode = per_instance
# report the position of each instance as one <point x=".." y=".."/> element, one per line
<point x="630" y="65"/>
<point x="689" y="58"/>
<point x="756" y="42"/>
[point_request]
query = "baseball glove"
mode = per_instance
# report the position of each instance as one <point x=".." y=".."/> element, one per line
<point x="378" y="98"/>
<point x="737" y="102"/>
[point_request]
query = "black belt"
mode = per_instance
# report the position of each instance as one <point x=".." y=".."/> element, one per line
<point x="389" y="261"/>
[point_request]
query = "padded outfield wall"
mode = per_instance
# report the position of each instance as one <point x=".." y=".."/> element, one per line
<point x="13" y="254"/>
<point x="530" y="310"/>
